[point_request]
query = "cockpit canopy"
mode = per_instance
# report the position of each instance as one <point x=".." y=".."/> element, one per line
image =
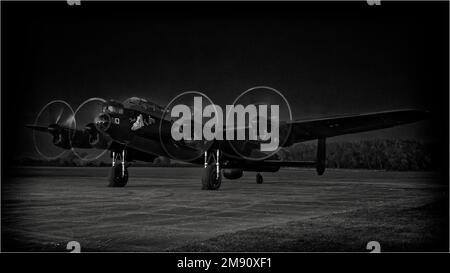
<point x="112" y="107"/>
<point x="143" y="105"/>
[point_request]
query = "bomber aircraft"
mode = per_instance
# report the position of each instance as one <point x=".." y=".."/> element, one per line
<point x="139" y="130"/>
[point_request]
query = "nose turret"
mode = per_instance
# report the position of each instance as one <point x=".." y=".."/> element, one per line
<point x="103" y="122"/>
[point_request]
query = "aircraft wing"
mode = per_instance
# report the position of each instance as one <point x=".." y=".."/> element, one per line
<point x="39" y="128"/>
<point x="286" y="163"/>
<point x="79" y="138"/>
<point x="334" y="126"/>
<point x="54" y="128"/>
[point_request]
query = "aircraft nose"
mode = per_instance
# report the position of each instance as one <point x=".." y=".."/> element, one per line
<point x="103" y="122"/>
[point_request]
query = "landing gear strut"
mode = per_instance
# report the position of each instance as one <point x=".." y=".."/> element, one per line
<point x="118" y="176"/>
<point x="212" y="176"/>
<point x="259" y="178"/>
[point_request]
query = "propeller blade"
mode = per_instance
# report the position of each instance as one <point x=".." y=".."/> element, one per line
<point x="69" y="122"/>
<point x="53" y="146"/>
<point x="58" y="117"/>
<point x="85" y="116"/>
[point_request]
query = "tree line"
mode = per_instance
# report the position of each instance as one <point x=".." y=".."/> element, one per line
<point x="380" y="154"/>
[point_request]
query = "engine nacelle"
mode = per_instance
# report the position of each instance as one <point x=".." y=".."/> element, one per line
<point x="98" y="141"/>
<point x="61" y="141"/>
<point x="94" y="138"/>
<point x="233" y="173"/>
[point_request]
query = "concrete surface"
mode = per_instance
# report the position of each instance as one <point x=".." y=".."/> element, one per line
<point x="164" y="208"/>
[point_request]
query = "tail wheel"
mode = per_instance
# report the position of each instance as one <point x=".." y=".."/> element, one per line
<point x="116" y="178"/>
<point x="259" y="178"/>
<point x="210" y="180"/>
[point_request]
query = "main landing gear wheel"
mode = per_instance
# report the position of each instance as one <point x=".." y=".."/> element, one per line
<point x="212" y="176"/>
<point x="210" y="179"/>
<point x="116" y="177"/>
<point x="259" y="178"/>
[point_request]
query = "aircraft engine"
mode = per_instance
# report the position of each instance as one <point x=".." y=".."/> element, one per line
<point x="61" y="140"/>
<point x="233" y="173"/>
<point x="88" y="136"/>
<point x="56" y="118"/>
<point x="96" y="139"/>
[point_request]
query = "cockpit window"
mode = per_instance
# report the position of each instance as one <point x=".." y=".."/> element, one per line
<point x="140" y="104"/>
<point x="113" y="109"/>
<point x="144" y="106"/>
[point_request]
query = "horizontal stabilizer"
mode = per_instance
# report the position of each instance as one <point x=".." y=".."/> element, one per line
<point x="291" y="163"/>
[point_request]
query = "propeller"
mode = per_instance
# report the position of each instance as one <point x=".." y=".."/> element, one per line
<point x="196" y="148"/>
<point x="85" y="115"/>
<point x="54" y="119"/>
<point x="202" y="145"/>
<point x="263" y="98"/>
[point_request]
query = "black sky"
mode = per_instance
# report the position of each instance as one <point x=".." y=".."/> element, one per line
<point x="326" y="58"/>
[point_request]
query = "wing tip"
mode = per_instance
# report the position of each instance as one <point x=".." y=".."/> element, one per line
<point x="37" y="127"/>
<point x="417" y="114"/>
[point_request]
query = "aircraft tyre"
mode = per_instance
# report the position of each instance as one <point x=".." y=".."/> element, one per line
<point x="259" y="178"/>
<point x="209" y="178"/>
<point x="115" y="176"/>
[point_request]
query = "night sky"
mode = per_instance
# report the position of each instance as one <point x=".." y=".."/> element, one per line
<point x="326" y="58"/>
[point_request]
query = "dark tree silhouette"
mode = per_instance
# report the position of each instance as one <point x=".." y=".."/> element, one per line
<point x="387" y="154"/>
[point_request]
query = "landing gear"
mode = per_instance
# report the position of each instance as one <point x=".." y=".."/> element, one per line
<point x="210" y="181"/>
<point x="259" y="178"/>
<point x="212" y="176"/>
<point x="118" y="176"/>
